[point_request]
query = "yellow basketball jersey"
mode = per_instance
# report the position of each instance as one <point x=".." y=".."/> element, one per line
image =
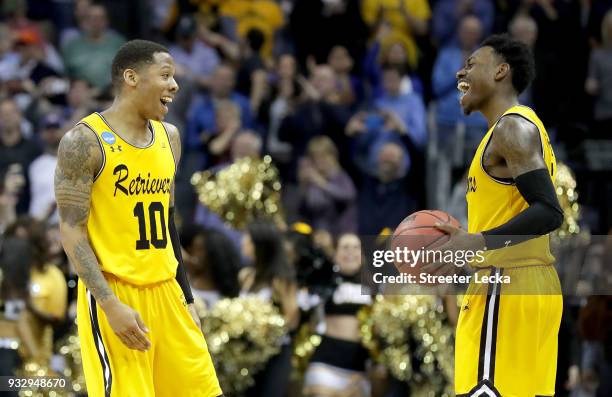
<point x="494" y="201"/>
<point x="128" y="219"/>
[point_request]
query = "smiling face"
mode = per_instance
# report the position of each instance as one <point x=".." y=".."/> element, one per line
<point x="478" y="79"/>
<point x="348" y="254"/>
<point x="154" y="85"/>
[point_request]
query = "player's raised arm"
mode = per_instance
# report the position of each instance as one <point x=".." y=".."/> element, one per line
<point x="517" y="142"/>
<point x="79" y="160"/>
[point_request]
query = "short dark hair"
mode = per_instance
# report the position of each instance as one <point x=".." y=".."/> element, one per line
<point x="132" y="55"/>
<point x="517" y="55"/>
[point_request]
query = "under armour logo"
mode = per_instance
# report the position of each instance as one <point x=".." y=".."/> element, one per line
<point x="113" y="149"/>
<point x="507" y="242"/>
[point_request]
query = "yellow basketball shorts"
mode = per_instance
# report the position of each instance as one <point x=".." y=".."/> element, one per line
<point x="177" y="363"/>
<point x="506" y="343"/>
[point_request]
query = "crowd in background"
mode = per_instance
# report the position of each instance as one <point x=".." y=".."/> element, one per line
<point x="354" y="100"/>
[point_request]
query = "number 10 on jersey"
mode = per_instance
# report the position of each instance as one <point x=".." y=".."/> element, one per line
<point x="156" y="211"/>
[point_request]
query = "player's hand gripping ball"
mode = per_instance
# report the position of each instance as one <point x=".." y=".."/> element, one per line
<point x="417" y="232"/>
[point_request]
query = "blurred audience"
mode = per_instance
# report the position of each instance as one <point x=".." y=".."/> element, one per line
<point x="46" y="303"/>
<point x="409" y="107"/>
<point x="327" y="194"/>
<point x="407" y="19"/>
<point x="89" y="55"/>
<point x="319" y="114"/>
<point x="239" y="17"/>
<point x="194" y="59"/>
<point x="447" y="16"/>
<point x="16" y="150"/>
<point x="204" y="121"/>
<point x="16" y="334"/>
<point x="458" y="135"/>
<point x="599" y="79"/>
<point x="42" y="169"/>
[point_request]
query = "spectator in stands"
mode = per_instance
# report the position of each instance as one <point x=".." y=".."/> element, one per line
<point x="15" y="148"/>
<point x="457" y="134"/>
<point x="403" y="18"/>
<point x="384" y="195"/>
<point x="595" y="327"/>
<point x="319" y="25"/>
<point x="599" y="80"/>
<point x="390" y="50"/>
<point x="409" y="107"/>
<point x="285" y="97"/>
<point x="80" y="11"/>
<point x="89" y="55"/>
<point x="42" y="169"/>
<point x="9" y="59"/>
<point x="11" y="184"/>
<point x="246" y="144"/>
<point x="239" y="17"/>
<point x="195" y="60"/>
<point x="48" y="292"/>
<point x="348" y="85"/>
<point x="369" y="131"/>
<point x="15" y="262"/>
<point x="32" y="62"/>
<point x="448" y="14"/>
<point x="202" y="117"/>
<point x="251" y="60"/>
<point x="327" y="193"/>
<point x="524" y="28"/>
<point x="79" y="102"/>
<point x="444" y="83"/>
<point x="319" y="114"/>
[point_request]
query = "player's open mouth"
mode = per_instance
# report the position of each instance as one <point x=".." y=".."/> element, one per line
<point x="165" y="100"/>
<point x="463" y="86"/>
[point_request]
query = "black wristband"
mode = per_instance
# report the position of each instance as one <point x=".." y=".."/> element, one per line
<point x="181" y="274"/>
<point x="543" y="215"/>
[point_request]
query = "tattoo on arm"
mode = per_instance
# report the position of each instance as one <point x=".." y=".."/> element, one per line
<point x="518" y="142"/>
<point x="79" y="159"/>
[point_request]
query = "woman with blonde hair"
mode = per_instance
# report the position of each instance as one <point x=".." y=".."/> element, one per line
<point x="327" y="193"/>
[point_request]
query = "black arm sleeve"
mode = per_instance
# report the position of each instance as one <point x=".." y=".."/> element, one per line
<point x="181" y="274"/>
<point x="543" y="215"/>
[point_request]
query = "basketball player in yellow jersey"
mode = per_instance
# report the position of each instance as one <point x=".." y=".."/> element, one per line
<point x="114" y="186"/>
<point x="506" y="340"/>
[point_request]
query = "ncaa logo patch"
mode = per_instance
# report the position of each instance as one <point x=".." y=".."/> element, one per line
<point x="108" y="137"/>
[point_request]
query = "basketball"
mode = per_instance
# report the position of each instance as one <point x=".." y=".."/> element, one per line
<point x="417" y="232"/>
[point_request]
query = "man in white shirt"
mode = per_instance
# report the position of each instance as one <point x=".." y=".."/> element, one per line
<point x="41" y="171"/>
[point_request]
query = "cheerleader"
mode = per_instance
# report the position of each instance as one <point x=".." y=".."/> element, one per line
<point x="338" y="365"/>
<point x="272" y="278"/>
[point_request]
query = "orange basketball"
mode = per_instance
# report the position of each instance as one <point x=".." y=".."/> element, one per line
<point x="417" y="232"/>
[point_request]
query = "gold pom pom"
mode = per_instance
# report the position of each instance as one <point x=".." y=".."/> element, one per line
<point x="565" y="183"/>
<point x="410" y="336"/>
<point x="247" y="189"/>
<point x="242" y="334"/>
